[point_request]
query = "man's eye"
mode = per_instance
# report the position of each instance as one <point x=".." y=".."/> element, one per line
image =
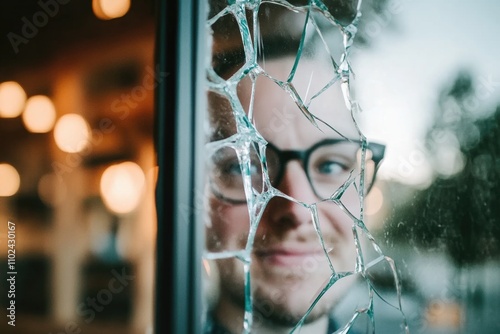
<point x="230" y="168"/>
<point x="331" y="167"/>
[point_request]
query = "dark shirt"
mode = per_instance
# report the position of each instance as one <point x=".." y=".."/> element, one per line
<point x="213" y="327"/>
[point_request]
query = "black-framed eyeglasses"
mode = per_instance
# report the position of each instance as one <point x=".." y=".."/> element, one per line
<point x="328" y="164"/>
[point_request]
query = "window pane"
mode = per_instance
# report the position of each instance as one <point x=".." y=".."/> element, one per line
<point x="415" y="251"/>
<point x="287" y="247"/>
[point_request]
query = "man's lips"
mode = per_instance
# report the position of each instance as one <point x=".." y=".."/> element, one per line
<point x="287" y="256"/>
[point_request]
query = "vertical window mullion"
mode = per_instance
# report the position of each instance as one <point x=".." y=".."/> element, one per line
<point x="179" y="142"/>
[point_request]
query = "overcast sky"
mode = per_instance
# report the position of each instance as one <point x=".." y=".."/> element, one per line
<point x="399" y="76"/>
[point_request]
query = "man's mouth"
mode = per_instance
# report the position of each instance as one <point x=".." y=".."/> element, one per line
<point x="287" y="256"/>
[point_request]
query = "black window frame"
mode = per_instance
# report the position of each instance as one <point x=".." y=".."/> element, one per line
<point x="179" y="118"/>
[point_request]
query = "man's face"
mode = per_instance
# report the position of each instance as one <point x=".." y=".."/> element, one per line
<point x="289" y="267"/>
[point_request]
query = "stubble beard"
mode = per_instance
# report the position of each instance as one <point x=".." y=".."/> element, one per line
<point x="282" y="302"/>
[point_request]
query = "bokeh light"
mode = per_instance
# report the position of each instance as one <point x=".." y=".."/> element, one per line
<point x="72" y="133"/>
<point x="110" y="9"/>
<point x="9" y="179"/>
<point x="39" y="115"/>
<point x="121" y="187"/>
<point x="12" y="99"/>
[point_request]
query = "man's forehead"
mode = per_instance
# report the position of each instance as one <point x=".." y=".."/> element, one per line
<point x="316" y="88"/>
<point x="318" y="92"/>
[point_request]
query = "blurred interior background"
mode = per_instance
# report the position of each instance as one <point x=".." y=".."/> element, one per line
<point x="77" y="164"/>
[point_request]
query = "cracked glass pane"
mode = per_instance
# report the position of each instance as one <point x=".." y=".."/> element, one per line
<point x="287" y="172"/>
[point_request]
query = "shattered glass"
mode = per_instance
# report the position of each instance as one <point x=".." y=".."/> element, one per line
<point x="288" y="170"/>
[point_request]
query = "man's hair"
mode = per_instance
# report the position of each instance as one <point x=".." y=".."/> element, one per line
<point x="273" y="42"/>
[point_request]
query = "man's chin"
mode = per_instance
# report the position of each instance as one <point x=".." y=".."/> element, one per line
<point x="289" y="310"/>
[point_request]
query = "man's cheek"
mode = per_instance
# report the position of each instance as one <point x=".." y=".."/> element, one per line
<point x="230" y="224"/>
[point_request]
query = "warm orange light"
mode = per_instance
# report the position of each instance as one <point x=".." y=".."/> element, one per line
<point x="40" y="114"/>
<point x="122" y="186"/>
<point x="206" y="265"/>
<point x="374" y="201"/>
<point x="110" y="9"/>
<point x="71" y="133"/>
<point x="9" y="180"/>
<point x="12" y="99"/>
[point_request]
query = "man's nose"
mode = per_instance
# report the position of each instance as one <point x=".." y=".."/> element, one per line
<point x="294" y="184"/>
